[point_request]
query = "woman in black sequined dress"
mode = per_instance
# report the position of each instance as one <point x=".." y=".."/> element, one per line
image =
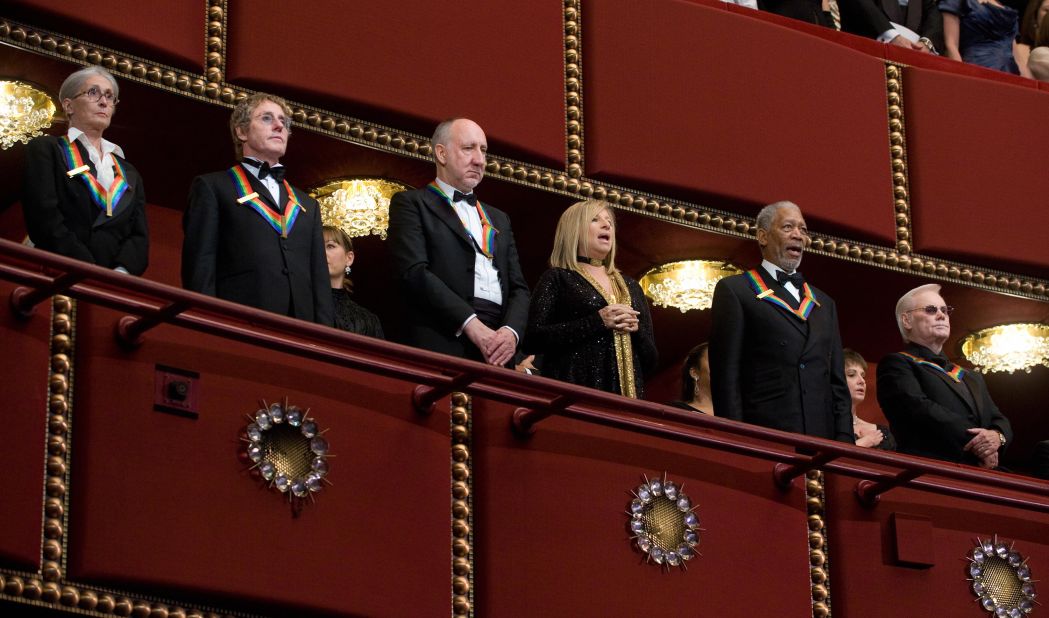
<point x="589" y="321"/>
<point x="349" y="316"/>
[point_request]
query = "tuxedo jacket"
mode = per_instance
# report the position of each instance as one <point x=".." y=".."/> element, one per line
<point x="433" y="257"/>
<point x="231" y="252"/>
<point x="870" y="18"/>
<point x="930" y="412"/>
<point x="810" y="11"/>
<point x="61" y="217"/>
<point x="770" y="368"/>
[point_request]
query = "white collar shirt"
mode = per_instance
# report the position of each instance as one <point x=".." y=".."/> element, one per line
<point x="773" y="269"/>
<point x="486" y="277"/>
<point x="103" y="161"/>
<point x="269" y="181"/>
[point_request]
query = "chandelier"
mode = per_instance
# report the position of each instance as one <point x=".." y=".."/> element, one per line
<point x="359" y="206"/>
<point x="24" y="111"/>
<point x="1008" y="347"/>
<point x="685" y="285"/>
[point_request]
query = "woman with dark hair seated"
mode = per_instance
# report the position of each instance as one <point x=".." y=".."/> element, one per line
<point x="589" y="321"/>
<point x="867" y="434"/>
<point x="349" y="316"/>
<point x="695" y="382"/>
<point x="80" y="197"/>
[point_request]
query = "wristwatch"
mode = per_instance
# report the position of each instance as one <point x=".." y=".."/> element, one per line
<point x="1001" y="436"/>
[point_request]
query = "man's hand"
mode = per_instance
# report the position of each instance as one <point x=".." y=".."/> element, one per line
<point x="984" y="445"/>
<point x="900" y="41"/>
<point x="478" y="334"/>
<point x="990" y="462"/>
<point x="500" y="347"/>
<point x="497" y="346"/>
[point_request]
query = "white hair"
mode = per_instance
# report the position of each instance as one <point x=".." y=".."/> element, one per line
<point x="903" y="305"/>
<point x="74" y="84"/>
<point x="767" y="214"/>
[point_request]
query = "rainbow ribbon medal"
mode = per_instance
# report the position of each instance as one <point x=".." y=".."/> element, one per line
<point x="808" y="299"/>
<point x="488" y="230"/>
<point x="955" y="372"/>
<point x="283" y="224"/>
<point x="105" y="199"/>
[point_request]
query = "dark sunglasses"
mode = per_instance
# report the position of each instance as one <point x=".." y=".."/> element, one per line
<point x="932" y="309"/>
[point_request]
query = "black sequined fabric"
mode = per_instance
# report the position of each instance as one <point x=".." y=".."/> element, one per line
<point x="564" y="326"/>
<point x="354" y="318"/>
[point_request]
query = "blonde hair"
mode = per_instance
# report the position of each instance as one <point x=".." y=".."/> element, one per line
<point x="570" y="239"/>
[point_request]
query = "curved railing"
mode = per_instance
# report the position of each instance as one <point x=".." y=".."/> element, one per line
<point x="41" y="274"/>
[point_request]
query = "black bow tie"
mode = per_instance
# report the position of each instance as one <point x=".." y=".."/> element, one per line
<point x="265" y="170"/>
<point x="795" y="278"/>
<point x="469" y="198"/>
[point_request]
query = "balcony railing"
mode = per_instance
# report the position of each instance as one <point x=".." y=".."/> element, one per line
<point x="148" y="304"/>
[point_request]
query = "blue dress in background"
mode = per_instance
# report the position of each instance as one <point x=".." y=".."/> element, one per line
<point x="986" y="33"/>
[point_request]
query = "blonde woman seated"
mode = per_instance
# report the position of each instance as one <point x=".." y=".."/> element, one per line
<point x="867" y="434"/>
<point x="349" y="316"/>
<point x="589" y="321"/>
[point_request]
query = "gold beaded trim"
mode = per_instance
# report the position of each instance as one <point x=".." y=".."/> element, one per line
<point x="819" y="567"/>
<point x="215" y="54"/>
<point x="898" y="154"/>
<point x="571" y="182"/>
<point x="573" y="89"/>
<point x="59" y="426"/>
<point x="462" y="506"/>
<point x="48" y="587"/>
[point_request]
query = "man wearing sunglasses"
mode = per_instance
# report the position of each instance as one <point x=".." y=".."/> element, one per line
<point x="936" y="408"/>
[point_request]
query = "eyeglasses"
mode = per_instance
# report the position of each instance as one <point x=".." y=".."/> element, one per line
<point x="268" y="119"/>
<point x="96" y="94"/>
<point x="933" y="309"/>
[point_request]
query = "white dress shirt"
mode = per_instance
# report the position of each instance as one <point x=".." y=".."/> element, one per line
<point x="269" y="181"/>
<point x="773" y="269"/>
<point x="103" y="161"/>
<point x="486" y="277"/>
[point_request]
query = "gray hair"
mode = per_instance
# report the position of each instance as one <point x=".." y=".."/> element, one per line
<point x="442" y="132"/>
<point x="768" y="213"/>
<point x="74" y="84"/>
<point x="903" y="305"/>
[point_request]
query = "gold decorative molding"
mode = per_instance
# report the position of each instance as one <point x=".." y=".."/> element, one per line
<point x="215" y="44"/>
<point x="898" y="258"/>
<point x="49" y="587"/>
<point x="819" y="565"/>
<point x="462" y="506"/>
<point x="54" y="544"/>
<point x="573" y="88"/>
<point x="898" y="157"/>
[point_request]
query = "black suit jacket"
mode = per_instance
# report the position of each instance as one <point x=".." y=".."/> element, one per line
<point x="769" y="368"/>
<point x="231" y="252"/>
<point x="810" y="11"/>
<point x="434" y="259"/>
<point x="929" y="412"/>
<point x="870" y="18"/>
<point x="61" y="217"/>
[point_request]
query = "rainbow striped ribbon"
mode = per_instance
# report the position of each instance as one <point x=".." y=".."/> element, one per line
<point x="955" y="372"/>
<point x="283" y="224"/>
<point x="808" y="299"/>
<point x="105" y="199"/>
<point x="488" y="230"/>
